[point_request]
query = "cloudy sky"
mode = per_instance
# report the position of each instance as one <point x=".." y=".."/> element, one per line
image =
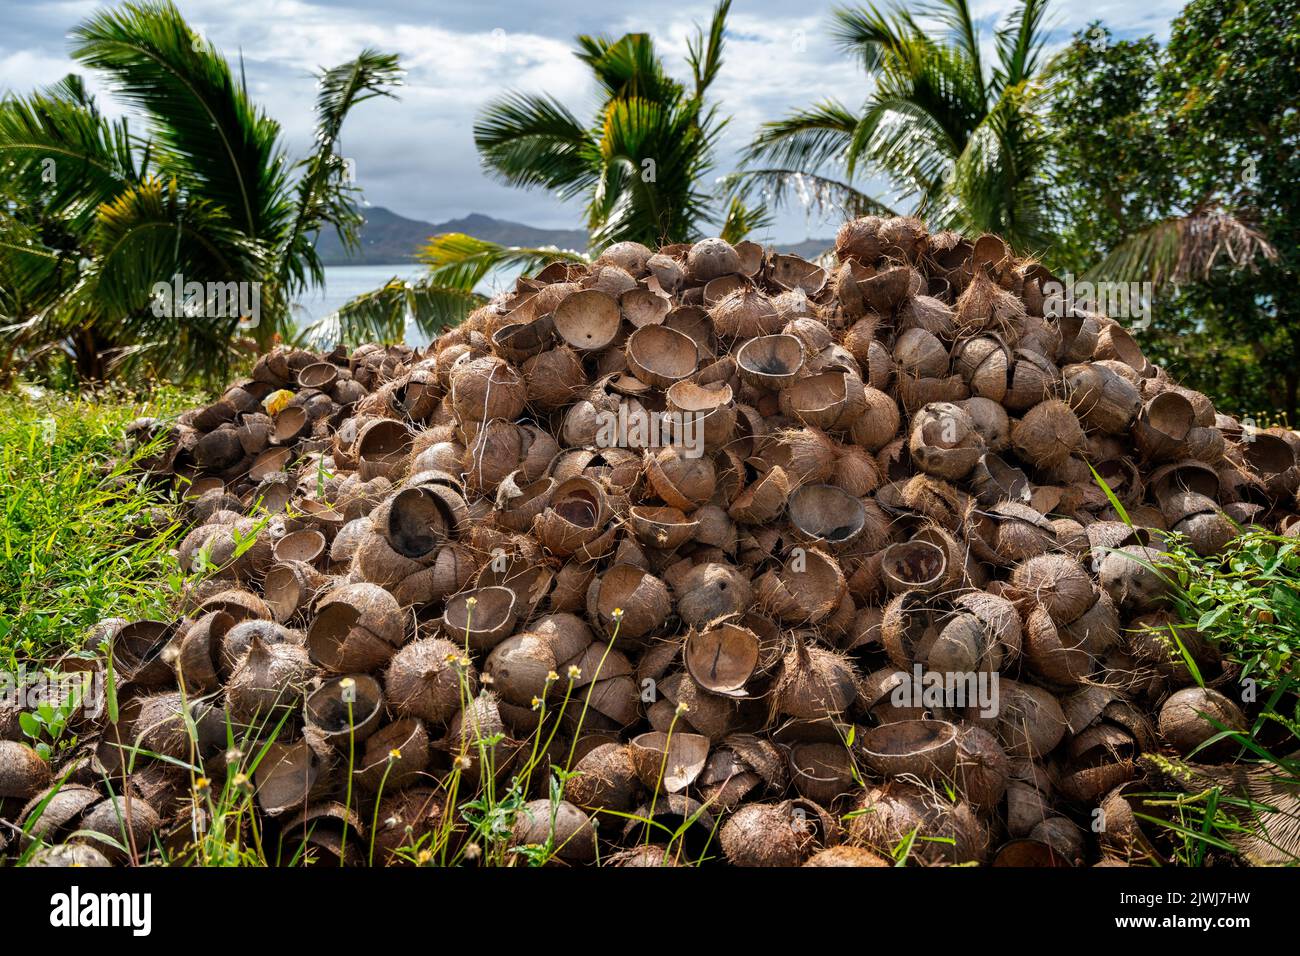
<point x="416" y="155"/>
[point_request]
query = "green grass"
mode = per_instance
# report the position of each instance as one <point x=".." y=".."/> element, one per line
<point x="65" y="561"/>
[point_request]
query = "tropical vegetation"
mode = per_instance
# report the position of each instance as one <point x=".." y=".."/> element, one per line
<point x="95" y="212"/>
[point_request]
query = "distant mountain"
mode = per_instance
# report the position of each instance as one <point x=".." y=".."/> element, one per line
<point x="390" y="239"/>
<point x="809" y="248"/>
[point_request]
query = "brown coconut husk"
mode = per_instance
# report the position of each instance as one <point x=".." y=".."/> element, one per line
<point x="395" y="484"/>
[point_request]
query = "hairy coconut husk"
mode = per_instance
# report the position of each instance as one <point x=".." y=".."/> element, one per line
<point x="356" y="629"/>
<point x="831" y="400"/>
<point x="576" y="516"/>
<point x="813" y="682"/>
<point x="1133" y="578"/>
<point x="481" y="618"/>
<point x="660" y="356"/>
<point x="1031" y="722"/>
<point x="1056" y="582"/>
<point x="821" y="771"/>
<point x="269" y="679"/>
<point x="778" y="834"/>
<point x="1162" y="427"/>
<point x="914" y="566"/>
<point x="709" y="592"/>
<point x="845" y="856"/>
<point x="23" y="773"/>
<point x="859" y="240"/>
<point x="668" y="763"/>
<point x="1047" y="434"/>
<point x="114" y="817"/>
<point x="744" y="314"/>
<point x="606" y="779"/>
<point x="890" y="813"/>
<point x="807" y="588"/>
<point x="944" y="441"/>
<point x="722" y="658"/>
<point x="1194" y="715"/>
<point x="796" y="273"/>
<point x="628" y="600"/>
<point x="1104" y="400"/>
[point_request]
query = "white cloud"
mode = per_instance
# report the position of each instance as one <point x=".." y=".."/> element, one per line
<point x="417" y="156"/>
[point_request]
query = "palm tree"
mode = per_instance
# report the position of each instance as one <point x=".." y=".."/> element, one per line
<point x="96" y="214"/>
<point x="965" y="145"/>
<point x="639" y="166"/>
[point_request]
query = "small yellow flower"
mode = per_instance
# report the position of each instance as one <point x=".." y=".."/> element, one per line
<point x="347" y="683"/>
<point x="552" y="677"/>
<point x="682" y="709"/>
<point x="473" y="851"/>
<point x="575" y="672"/>
<point x="423" y="857"/>
<point x="234" y="755"/>
<point x="201" y="785"/>
<point x="618" y="614"/>
<point x="471" y="602"/>
<point x="394" y="754"/>
<point x="464" y="662"/>
<point x="537" y="703"/>
<point x="241" y="781"/>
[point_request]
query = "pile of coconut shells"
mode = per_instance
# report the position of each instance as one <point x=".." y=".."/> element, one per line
<point x="431" y="565"/>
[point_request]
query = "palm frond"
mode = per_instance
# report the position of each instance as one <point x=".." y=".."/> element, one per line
<point x="1020" y="44"/>
<point x="62" y="156"/>
<point x="458" y="261"/>
<point x="872" y="35"/>
<point x="529" y="140"/>
<point x="821" y="194"/>
<point x="704" y="51"/>
<point x="956" y="15"/>
<point x="210" y="134"/>
<point x="1186" y="249"/>
<point x="806" y="139"/>
<point x="148" y="237"/>
<point x="326" y="194"/>
<point x="742" y="219"/>
<point x="628" y="67"/>
<point x="387" y="313"/>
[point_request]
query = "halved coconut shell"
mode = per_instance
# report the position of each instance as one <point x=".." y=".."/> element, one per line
<point x="669" y="763"/>
<point x="770" y="361"/>
<point x="827" y="515"/>
<point x="588" y="320"/>
<point x="921" y="748"/>
<point x="660" y="356"/>
<point x="722" y="658"/>
<point x="482" y="618"/>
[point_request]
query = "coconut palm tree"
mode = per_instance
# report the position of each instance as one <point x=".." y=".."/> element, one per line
<point x="964" y="143"/>
<point x="638" y="165"/>
<point x="96" y="212"/>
